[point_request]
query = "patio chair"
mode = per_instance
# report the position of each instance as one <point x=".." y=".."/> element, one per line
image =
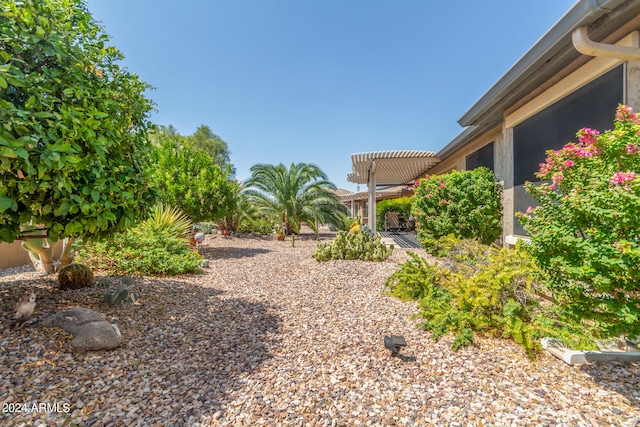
<point x="392" y="220"/>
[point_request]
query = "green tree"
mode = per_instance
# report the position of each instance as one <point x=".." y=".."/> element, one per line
<point x="189" y="179"/>
<point x="204" y="139"/>
<point x="73" y="134"/>
<point x="300" y="193"/>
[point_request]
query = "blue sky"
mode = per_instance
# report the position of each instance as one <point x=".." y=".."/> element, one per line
<point x="314" y="81"/>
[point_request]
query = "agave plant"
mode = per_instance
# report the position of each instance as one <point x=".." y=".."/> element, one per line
<point x="170" y="220"/>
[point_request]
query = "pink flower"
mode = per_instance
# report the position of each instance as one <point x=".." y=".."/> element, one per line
<point x="441" y="186"/>
<point x="529" y="210"/>
<point x="625" y="113"/>
<point x="588" y="135"/>
<point x="569" y="163"/>
<point x="557" y="177"/>
<point x="417" y="182"/>
<point x="632" y="149"/>
<point x="620" y="177"/>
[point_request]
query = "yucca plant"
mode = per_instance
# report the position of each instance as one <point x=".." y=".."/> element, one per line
<point x="170" y="220"/>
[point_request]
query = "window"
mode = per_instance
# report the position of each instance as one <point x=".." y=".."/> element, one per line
<point x="481" y="157"/>
<point x="593" y="106"/>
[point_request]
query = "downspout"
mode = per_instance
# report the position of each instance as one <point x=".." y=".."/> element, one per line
<point x="586" y="46"/>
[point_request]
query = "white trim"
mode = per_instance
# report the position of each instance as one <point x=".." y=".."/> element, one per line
<point x="513" y="240"/>
<point x="590" y="71"/>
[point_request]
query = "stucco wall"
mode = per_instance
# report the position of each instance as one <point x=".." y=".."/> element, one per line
<point x="457" y="160"/>
<point x="12" y="255"/>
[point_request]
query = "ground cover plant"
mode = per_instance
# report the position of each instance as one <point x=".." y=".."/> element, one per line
<point x="585" y="233"/>
<point x="467" y="204"/>
<point x="483" y="289"/>
<point x="359" y="245"/>
<point x="157" y="246"/>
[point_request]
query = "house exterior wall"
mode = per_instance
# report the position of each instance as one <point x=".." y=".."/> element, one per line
<point x="502" y="136"/>
<point x="457" y="161"/>
<point x="12" y="255"/>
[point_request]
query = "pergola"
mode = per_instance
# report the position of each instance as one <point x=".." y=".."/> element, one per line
<point x="385" y="168"/>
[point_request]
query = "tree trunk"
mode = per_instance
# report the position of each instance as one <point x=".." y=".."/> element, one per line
<point x="42" y="260"/>
<point x="66" y="257"/>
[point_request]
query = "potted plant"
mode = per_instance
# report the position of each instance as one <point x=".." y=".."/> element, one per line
<point x="278" y="228"/>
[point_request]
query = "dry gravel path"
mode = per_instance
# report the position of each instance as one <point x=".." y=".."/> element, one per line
<point x="268" y="336"/>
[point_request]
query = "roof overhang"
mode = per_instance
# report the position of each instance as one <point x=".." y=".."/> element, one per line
<point x="397" y="191"/>
<point x="552" y="52"/>
<point x="356" y="197"/>
<point x="391" y="167"/>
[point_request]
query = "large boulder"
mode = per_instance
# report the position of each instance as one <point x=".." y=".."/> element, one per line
<point x="90" y="329"/>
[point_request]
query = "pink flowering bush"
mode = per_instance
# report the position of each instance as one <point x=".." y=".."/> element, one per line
<point x="466" y="204"/>
<point x="585" y="234"/>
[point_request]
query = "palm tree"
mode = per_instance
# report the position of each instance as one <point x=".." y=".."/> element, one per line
<point x="300" y="194"/>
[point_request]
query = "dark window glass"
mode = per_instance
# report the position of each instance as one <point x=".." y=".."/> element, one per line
<point x="592" y="106"/>
<point x="481" y="157"/>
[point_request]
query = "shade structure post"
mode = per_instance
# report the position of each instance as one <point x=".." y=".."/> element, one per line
<point x="372" y="197"/>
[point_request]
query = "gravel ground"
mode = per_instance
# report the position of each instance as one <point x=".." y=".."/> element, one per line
<point x="268" y="336"/>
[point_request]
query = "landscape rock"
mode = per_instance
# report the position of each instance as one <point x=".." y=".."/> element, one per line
<point x="90" y="329"/>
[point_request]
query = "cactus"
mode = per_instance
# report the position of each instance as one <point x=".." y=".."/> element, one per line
<point x="75" y="276"/>
<point x="121" y="293"/>
<point x="357" y="246"/>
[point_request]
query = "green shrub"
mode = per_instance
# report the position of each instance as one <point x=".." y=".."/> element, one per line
<point x="467" y="204"/>
<point x="483" y="289"/>
<point x="416" y="279"/>
<point x="159" y="245"/>
<point x="254" y="225"/>
<point x="357" y="246"/>
<point x="138" y="251"/>
<point x="401" y="205"/>
<point x="585" y="234"/>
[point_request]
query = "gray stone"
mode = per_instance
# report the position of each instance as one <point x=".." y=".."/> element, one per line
<point x="90" y="329"/>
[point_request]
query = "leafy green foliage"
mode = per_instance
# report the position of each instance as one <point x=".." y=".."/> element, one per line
<point x="300" y="193"/>
<point x="483" y="289"/>
<point x="401" y="205"/>
<point x="73" y="146"/>
<point x="255" y="225"/>
<point x="138" y="251"/>
<point x="585" y="234"/>
<point x="189" y="179"/>
<point x="170" y="220"/>
<point x="204" y="139"/>
<point x="467" y="204"/>
<point x="415" y="280"/>
<point x="356" y="246"/>
<point x="158" y="245"/>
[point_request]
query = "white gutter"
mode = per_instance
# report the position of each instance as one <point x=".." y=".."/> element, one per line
<point x="585" y="12"/>
<point x="586" y="46"/>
